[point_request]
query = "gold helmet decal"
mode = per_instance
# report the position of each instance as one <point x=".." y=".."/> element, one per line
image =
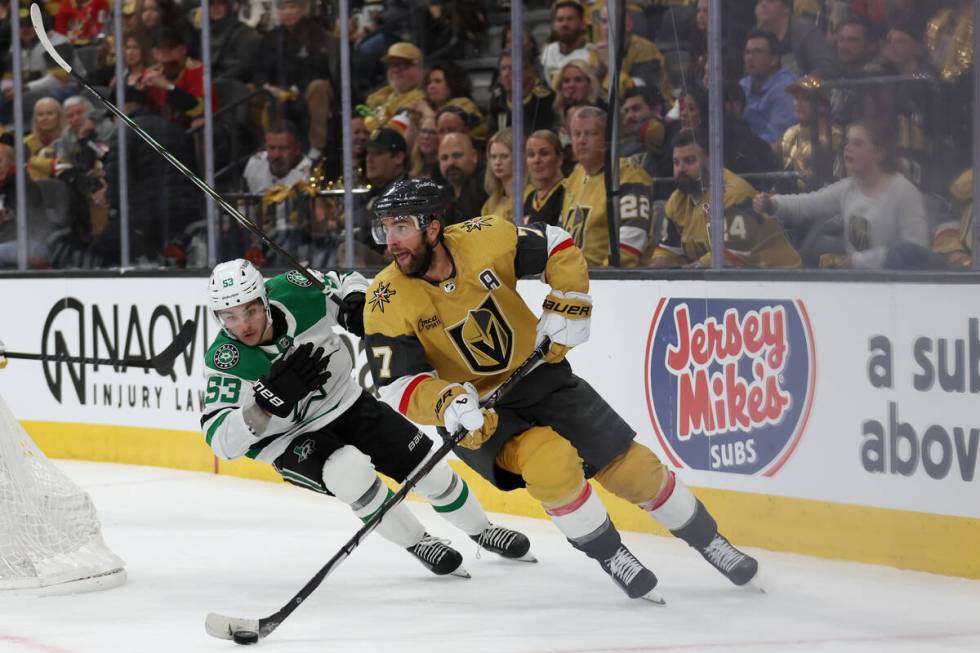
<point x="484" y="338"/>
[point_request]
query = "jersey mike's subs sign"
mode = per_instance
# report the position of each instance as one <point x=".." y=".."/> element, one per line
<point x="729" y="383"/>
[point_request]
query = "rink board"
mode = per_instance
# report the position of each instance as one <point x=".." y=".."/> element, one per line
<point x="828" y="419"/>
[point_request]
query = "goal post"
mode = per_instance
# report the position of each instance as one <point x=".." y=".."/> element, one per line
<point x="50" y="537"/>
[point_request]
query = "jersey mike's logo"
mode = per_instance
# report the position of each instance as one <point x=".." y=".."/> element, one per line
<point x="729" y="382"/>
<point x="484" y="338"/>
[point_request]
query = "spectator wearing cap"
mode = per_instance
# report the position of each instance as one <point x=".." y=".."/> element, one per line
<point x="811" y="109"/>
<point x="459" y="164"/>
<point x="802" y="44"/>
<point x="569" y="38"/>
<point x="298" y="62"/>
<point x="233" y="43"/>
<point x="403" y="70"/>
<point x="643" y="63"/>
<point x="175" y="83"/>
<point x="385" y="162"/>
<point x="768" y="108"/>
<point x="538" y="101"/>
<point x="644" y="131"/>
<point x="385" y="159"/>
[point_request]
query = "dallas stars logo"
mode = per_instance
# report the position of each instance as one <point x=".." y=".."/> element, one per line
<point x="382" y="295"/>
<point x="304" y="450"/>
<point x="297" y="278"/>
<point x="226" y="356"/>
<point x="477" y="223"/>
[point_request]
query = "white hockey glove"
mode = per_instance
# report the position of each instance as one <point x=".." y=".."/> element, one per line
<point x="350" y="313"/>
<point x="458" y="407"/>
<point x="565" y="319"/>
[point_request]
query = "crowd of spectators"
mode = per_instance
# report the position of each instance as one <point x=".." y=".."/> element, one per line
<point x="846" y="128"/>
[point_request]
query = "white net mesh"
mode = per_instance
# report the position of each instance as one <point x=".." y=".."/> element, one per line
<point x="49" y="532"/>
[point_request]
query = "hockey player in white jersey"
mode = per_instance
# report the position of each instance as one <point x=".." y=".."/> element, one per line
<point x="280" y="390"/>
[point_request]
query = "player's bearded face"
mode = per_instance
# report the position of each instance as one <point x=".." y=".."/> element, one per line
<point x="412" y="252"/>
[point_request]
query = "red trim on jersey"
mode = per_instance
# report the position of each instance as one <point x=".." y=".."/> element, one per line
<point x="403" y="404"/>
<point x="565" y="244"/>
<point x="949" y="231"/>
<point x="631" y="250"/>
<point x="662" y="496"/>
<point x="576" y="503"/>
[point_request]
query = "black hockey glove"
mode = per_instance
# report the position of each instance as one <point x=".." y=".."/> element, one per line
<point x="351" y="314"/>
<point x="290" y="379"/>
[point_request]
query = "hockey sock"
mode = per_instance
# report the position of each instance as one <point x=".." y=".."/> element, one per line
<point x="682" y="513"/>
<point x="349" y="475"/>
<point x="585" y="522"/>
<point x="450" y="496"/>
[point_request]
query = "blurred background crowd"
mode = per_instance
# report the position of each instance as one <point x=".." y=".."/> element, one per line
<point x="847" y="138"/>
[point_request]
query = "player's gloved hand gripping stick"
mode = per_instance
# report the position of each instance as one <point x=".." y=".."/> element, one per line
<point x="249" y="631"/>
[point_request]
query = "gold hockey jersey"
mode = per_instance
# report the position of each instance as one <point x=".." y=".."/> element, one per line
<point x="584" y="213"/>
<point x="751" y="240"/>
<point x="421" y="336"/>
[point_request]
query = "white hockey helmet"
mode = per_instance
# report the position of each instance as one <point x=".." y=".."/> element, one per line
<point x="234" y="283"/>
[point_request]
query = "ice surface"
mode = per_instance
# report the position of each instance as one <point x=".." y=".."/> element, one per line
<point x="196" y="543"/>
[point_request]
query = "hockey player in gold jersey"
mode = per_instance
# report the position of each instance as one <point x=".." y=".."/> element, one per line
<point x="445" y="326"/>
<point x="751" y="239"/>
<point x="584" y="207"/>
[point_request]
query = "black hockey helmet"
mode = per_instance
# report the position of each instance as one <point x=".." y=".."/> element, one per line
<point x="419" y="200"/>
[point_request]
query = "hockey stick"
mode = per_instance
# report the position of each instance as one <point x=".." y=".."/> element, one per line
<point x="163" y="362"/>
<point x="249" y="631"/>
<point x="42" y="36"/>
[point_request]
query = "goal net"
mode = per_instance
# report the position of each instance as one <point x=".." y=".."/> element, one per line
<point x="50" y="539"/>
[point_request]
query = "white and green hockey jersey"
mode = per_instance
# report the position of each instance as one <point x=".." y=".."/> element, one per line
<point x="301" y="313"/>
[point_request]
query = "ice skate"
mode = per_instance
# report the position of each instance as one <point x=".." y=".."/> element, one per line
<point x="735" y="565"/>
<point x="631" y="576"/>
<point x="506" y="543"/>
<point x="438" y="557"/>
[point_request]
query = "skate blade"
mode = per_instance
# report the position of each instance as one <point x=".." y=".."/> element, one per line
<point x="461" y="572"/>
<point x="756" y="583"/>
<point x="653" y="596"/>
<point x="527" y="557"/>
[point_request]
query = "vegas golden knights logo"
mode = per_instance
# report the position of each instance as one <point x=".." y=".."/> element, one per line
<point x="484" y="338"/>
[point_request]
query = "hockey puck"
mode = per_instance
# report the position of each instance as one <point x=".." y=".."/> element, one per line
<point x="245" y="637"/>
